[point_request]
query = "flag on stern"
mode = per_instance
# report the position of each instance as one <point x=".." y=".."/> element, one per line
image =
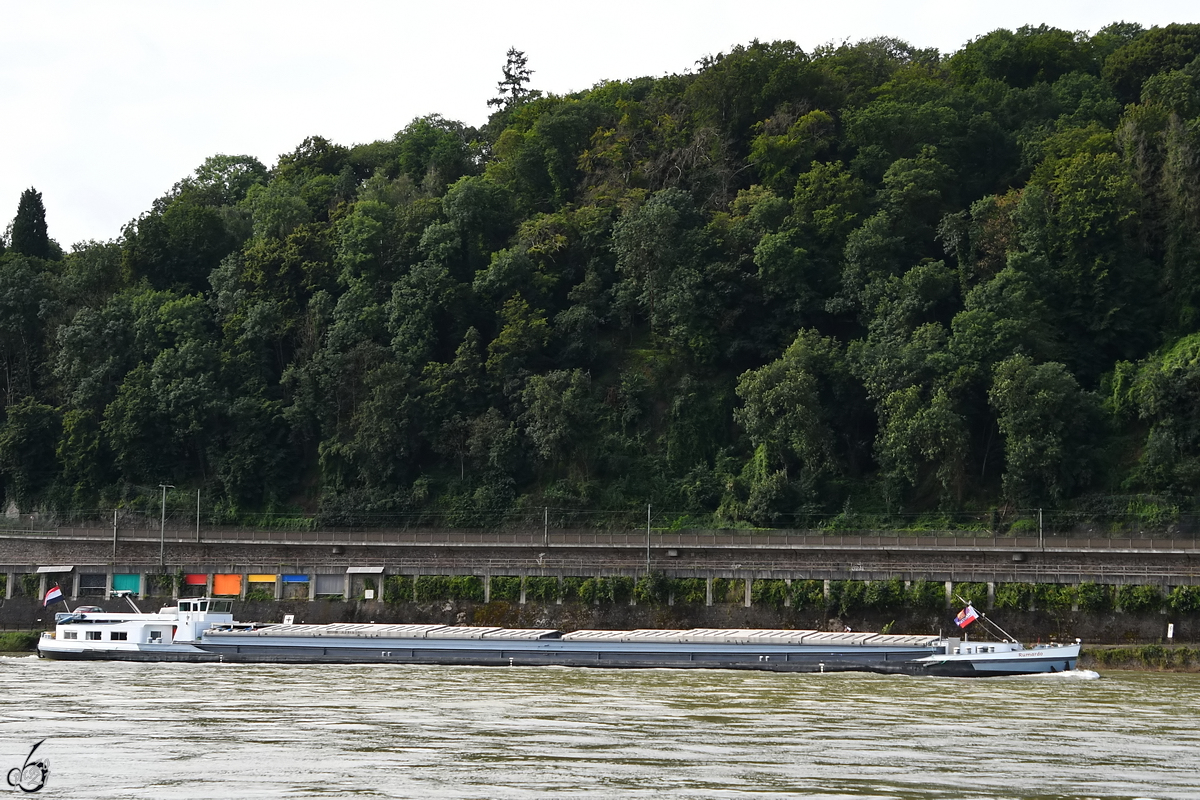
<point x="53" y="596"/>
<point x="966" y="616"/>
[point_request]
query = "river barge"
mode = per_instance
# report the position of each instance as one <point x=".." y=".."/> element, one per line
<point x="204" y="630"/>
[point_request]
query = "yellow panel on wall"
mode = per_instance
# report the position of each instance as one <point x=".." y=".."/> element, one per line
<point x="261" y="578"/>
<point x="227" y="584"/>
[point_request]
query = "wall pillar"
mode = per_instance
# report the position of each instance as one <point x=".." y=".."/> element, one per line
<point x="346" y="587"/>
<point x="312" y="585"/>
<point x="278" y="586"/>
<point x="522" y="590"/>
<point x="749" y="582"/>
<point x="991" y="598"/>
<point x="708" y="591"/>
<point x="487" y="587"/>
<point x="245" y="585"/>
<point x="949" y="593"/>
<point x="41" y="586"/>
<point x="208" y="585"/>
<point x="8" y="585"/>
<point x="558" y="600"/>
<point x="825" y="589"/>
<point x="75" y="584"/>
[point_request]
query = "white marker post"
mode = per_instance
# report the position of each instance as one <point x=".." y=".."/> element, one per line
<point x="1170" y="630"/>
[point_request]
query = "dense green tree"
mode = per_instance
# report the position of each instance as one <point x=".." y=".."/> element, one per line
<point x="29" y="236"/>
<point x="27" y="450"/>
<point x="28" y="304"/>
<point x="1158" y="49"/>
<point x="1049" y="429"/>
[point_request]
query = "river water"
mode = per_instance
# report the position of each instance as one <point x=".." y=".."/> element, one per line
<point x="262" y="731"/>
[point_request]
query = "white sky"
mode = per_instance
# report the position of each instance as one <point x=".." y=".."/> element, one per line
<point x="105" y="105"/>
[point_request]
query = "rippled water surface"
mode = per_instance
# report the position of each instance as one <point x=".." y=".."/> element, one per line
<point x="220" y="730"/>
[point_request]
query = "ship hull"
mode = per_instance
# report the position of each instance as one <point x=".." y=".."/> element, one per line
<point x="886" y="664"/>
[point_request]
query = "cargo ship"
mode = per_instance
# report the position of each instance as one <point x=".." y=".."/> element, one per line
<point x="204" y="630"/>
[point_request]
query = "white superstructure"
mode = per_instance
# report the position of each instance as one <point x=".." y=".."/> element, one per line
<point x="172" y="631"/>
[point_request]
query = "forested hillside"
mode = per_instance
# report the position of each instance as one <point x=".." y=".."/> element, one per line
<point x="780" y="287"/>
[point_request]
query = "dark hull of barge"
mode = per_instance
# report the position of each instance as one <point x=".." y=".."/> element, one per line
<point x="893" y="664"/>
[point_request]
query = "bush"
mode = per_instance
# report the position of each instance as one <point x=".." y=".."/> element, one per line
<point x="397" y="589"/>
<point x="1023" y="525"/>
<point x="847" y="597"/>
<point x="29" y="585"/>
<point x="728" y="590"/>
<point x="432" y="587"/>
<point x="1151" y="655"/>
<point x="1018" y="596"/>
<point x="651" y="589"/>
<point x="258" y="594"/>
<point x="1184" y="599"/>
<point x="1093" y="598"/>
<point x="690" y="591"/>
<point x="595" y="590"/>
<point x="506" y="588"/>
<point x="1139" y="599"/>
<point x="3" y="585"/>
<point x="622" y="589"/>
<point x="973" y="593"/>
<point x="159" y="585"/>
<point x="926" y="596"/>
<point x="1056" y="597"/>
<point x="767" y="592"/>
<point x="466" y="587"/>
<point x="18" y="641"/>
<point x="542" y="589"/>
<point x="572" y="588"/>
<point x="606" y="590"/>
<point x="882" y="595"/>
<point x="808" y="594"/>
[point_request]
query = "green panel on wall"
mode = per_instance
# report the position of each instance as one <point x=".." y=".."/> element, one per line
<point x="126" y="583"/>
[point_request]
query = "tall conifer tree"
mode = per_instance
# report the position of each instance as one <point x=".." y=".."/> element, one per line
<point x="29" y="235"/>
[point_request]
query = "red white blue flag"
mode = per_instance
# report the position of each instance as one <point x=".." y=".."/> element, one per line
<point x="966" y="616"/>
<point x="55" y="595"/>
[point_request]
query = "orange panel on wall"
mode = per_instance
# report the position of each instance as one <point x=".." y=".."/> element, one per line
<point x="227" y="584"/>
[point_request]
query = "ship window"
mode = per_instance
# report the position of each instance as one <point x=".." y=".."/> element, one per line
<point x="203" y="606"/>
<point x="156" y="636"/>
<point x="185" y="606"/>
<point x="70" y="634"/>
<point x="221" y="606"/>
<point x="119" y="636"/>
<point x="93" y="635"/>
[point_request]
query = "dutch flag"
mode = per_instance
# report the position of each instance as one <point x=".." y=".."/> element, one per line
<point x="53" y="596"/>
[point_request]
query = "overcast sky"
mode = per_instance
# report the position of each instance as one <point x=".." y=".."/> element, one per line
<point x="105" y="105"/>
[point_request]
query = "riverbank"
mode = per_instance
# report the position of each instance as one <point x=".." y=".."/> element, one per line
<point x="1148" y="657"/>
<point x="18" y="641"/>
